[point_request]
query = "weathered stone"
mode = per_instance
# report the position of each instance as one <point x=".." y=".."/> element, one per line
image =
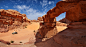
<point x="75" y="23"/>
<point x="34" y="20"/>
<point x="71" y="38"/>
<point x="64" y="20"/>
<point x="75" y="34"/>
<point x="40" y="19"/>
<point x="48" y="43"/>
<point x="67" y="7"/>
<point x="13" y="14"/>
<point x="9" y="17"/>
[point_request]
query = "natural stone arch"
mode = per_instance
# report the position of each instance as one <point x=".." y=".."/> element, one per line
<point x="73" y="14"/>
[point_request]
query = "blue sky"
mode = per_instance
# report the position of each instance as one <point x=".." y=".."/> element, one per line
<point x="32" y="8"/>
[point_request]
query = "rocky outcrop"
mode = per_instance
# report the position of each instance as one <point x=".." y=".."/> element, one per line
<point x="70" y="8"/>
<point x="12" y="15"/>
<point x="40" y="19"/>
<point x="45" y="27"/>
<point x="61" y="24"/>
<point x="8" y="18"/>
<point x="48" y="43"/>
<point x="34" y="20"/>
<point x="64" y="20"/>
<point x="75" y="34"/>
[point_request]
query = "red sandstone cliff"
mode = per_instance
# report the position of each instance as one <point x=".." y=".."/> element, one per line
<point x="74" y="35"/>
<point x="11" y="18"/>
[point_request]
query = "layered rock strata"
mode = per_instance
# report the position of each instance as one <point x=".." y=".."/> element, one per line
<point x="74" y="35"/>
<point x="71" y="15"/>
<point x="10" y="17"/>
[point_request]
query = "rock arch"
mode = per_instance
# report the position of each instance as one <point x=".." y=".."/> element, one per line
<point x="73" y="14"/>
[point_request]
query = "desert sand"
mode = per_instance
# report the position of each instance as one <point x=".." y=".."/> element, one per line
<point x="24" y="35"/>
<point x="61" y="28"/>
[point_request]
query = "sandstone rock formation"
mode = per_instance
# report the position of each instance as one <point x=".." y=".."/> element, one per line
<point x="75" y="34"/>
<point x="61" y="24"/>
<point x="40" y="19"/>
<point x="69" y="8"/>
<point x="10" y="17"/>
<point x="34" y="20"/>
<point x="64" y="20"/>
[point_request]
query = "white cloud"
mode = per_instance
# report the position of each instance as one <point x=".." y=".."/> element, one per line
<point x="33" y="13"/>
<point x="1" y="7"/>
<point x="21" y="7"/>
<point x="44" y="3"/>
<point x="51" y="2"/>
<point x="30" y="12"/>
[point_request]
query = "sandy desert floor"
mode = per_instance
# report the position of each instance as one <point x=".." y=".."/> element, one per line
<point x="24" y="35"/>
<point x="61" y="28"/>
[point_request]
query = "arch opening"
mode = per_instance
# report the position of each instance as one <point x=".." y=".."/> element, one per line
<point x="61" y="16"/>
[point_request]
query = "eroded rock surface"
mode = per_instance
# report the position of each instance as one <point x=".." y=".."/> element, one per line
<point x="64" y="20"/>
<point x="11" y="18"/>
<point x="40" y="19"/>
<point x="74" y="35"/>
<point x="70" y="8"/>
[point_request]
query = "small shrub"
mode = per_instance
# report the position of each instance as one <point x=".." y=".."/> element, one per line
<point x="14" y="33"/>
<point x="20" y="42"/>
<point x="34" y="31"/>
<point x="12" y="41"/>
<point x="25" y="26"/>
